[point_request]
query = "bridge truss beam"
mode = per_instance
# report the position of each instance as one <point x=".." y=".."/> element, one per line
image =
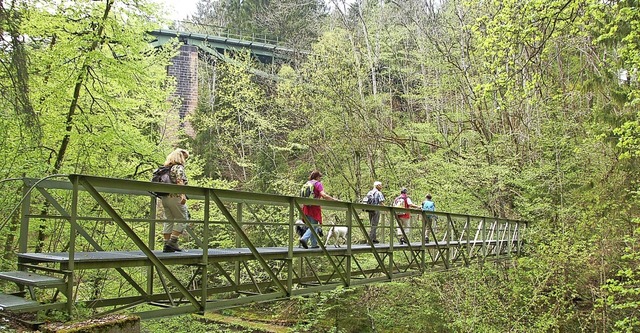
<point x="247" y="250"/>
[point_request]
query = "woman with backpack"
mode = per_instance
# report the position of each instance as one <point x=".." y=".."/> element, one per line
<point x="175" y="204"/>
<point x="313" y="188"/>
<point x="404" y="219"/>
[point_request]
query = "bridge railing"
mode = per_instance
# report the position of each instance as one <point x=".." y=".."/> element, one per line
<point x="101" y="231"/>
<point x="219" y="31"/>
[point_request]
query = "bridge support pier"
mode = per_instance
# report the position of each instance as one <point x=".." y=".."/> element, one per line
<point x="185" y="69"/>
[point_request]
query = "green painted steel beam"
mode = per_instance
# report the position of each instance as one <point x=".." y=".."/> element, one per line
<point x="87" y="237"/>
<point x="275" y="277"/>
<point x="246" y="240"/>
<point x="225" y="43"/>
<point x="168" y="312"/>
<point x="129" y="232"/>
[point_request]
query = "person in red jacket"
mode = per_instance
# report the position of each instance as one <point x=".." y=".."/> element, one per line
<point x="404" y="219"/>
<point x="312" y="212"/>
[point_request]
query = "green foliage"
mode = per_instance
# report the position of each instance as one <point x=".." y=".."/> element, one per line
<point x="177" y="325"/>
<point x="237" y="133"/>
<point x="622" y="291"/>
<point x="502" y="108"/>
<point x="98" y="88"/>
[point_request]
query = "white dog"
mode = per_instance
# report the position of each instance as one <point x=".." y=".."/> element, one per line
<point x="337" y="233"/>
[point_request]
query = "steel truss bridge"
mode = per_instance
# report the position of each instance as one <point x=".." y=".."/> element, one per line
<point x="91" y="242"/>
<point x="223" y="44"/>
<point x="220" y="42"/>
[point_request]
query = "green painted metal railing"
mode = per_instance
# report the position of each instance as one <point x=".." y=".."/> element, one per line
<point x="244" y="247"/>
<point x="213" y="30"/>
<point x="220" y="44"/>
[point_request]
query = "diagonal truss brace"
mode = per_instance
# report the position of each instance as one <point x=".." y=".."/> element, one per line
<point x="141" y="245"/>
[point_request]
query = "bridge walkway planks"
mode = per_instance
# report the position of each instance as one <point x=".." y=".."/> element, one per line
<point x="113" y="259"/>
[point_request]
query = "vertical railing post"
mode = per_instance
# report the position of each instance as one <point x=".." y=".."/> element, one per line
<point x="510" y="238"/>
<point x="290" y="243"/>
<point x="382" y="229"/>
<point x="23" y="238"/>
<point x="153" y="215"/>
<point x="72" y="243"/>
<point x="391" y="238"/>
<point x="238" y="239"/>
<point x="205" y="250"/>
<point x="449" y="238"/>
<point x="350" y="210"/>
<point x="468" y="237"/>
<point x="484" y="239"/>
<point x="516" y="237"/>
<point x="499" y="238"/>
<point x="426" y="231"/>
<point x="24" y="220"/>
<point x="423" y="223"/>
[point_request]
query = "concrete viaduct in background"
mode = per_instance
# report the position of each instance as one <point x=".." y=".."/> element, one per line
<point x="221" y="45"/>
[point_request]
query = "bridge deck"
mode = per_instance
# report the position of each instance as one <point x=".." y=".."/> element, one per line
<point x="113" y="259"/>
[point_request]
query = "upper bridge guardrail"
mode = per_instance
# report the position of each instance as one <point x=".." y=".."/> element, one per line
<point x="243" y="244"/>
<point x="214" y="30"/>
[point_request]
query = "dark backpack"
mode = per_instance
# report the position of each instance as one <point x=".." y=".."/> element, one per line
<point x="370" y="199"/>
<point x="162" y="175"/>
<point x="373" y="198"/>
<point x="307" y="189"/>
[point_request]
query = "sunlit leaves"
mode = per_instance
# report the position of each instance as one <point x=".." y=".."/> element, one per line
<point x="122" y="95"/>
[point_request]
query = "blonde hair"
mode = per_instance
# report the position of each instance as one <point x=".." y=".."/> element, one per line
<point x="178" y="156"/>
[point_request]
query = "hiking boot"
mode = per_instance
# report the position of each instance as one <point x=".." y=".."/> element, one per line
<point x="304" y="243"/>
<point x="315" y="247"/>
<point x="171" y="246"/>
<point x="375" y="241"/>
<point x="426" y="239"/>
<point x="402" y="241"/>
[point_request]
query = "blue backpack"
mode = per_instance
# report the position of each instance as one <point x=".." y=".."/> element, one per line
<point x="371" y="198"/>
<point x="429" y="205"/>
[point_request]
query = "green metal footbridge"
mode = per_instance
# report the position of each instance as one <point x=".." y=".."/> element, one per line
<point x="94" y="243"/>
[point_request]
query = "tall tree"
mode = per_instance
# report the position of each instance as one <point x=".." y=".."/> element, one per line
<point x="108" y="79"/>
<point x="237" y="130"/>
<point x="89" y="91"/>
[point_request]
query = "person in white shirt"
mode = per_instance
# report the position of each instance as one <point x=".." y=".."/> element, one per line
<point x="374" y="197"/>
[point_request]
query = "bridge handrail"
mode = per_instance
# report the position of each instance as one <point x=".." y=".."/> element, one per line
<point x="146" y="188"/>
<point x="456" y="243"/>
<point x="227" y="32"/>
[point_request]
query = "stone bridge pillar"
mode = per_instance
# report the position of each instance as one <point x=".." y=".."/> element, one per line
<point x="185" y="69"/>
